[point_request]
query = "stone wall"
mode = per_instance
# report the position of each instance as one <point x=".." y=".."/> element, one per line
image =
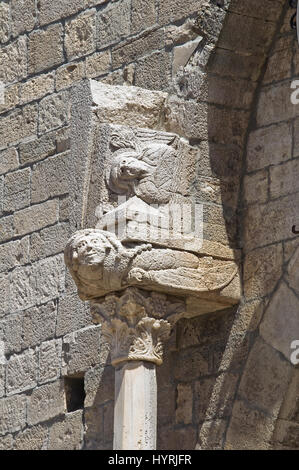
<point x="226" y="381"/>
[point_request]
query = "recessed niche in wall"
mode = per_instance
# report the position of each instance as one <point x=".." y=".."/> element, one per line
<point x="74" y="393"/>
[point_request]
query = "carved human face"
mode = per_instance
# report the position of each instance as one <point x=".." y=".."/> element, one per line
<point x="91" y="250"/>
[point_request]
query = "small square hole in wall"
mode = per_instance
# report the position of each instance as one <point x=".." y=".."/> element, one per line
<point x="74" y="393"/>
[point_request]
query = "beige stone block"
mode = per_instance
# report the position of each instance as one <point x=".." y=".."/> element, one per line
<point x="67" y="434"/>
<point x="80" y="37"/>
<point x="227" y="92"/>
<point x="54" y="111"/>
<point x="211" y="435"/>
<point x="271" y="222"/>
<point x="191" y="363"/>
<point x="23" y="16"/>
<point x="37" y="149"/>
<point x="11" y="333"/>
<point x="13" y="61"/>
<point x="36" y="88"/>
<point x="73" y="314"/>
<point x="17" y="190"/>
<point x="34" y="438"/>
<point x="46" y="48"/>
<point x="49" y="361"/>
<point x="126" y="53"/>
<point x="98" y="64"/>
<point x="269" y="146"/>
<point x="173" y="10"/>
<point x="188" y="119"/>
<point x="4" y="22"/>
<point x="81" y="350"/>
<point x="284" y="179"/>
<point x="290" y="407"/>
<point x="154" y="71"/>
<point x="6" y="228"/>
<point x="49" y="241"/>
<point x="6" y="442"/>
<point x="9" y="160"/>
<point x="99" y="385"/>
<point x="287" y="434"/>
<point x="275" y="104"/>
<point x="249" y="429"/>
<point x="11" y="98"/>
<point x="21" y="372"/>
<point x="68" y="75"/>
<point x="113" y="23"/>
<point x="184" y="404"/>
<point x="46" y="402"/>
<point x="262" y="269"/>
<point x="279" y="66"/>
<point x="143" y="15"/>
<point x="13" y="414"/>
<point x="53" y="10"/>
<point x="256" y="187"/>
<point x="292" y="274"/>
<point x="38" y="324"/>
<point x="18" y="125"/>
<point x="270" y="8"/>
<point x="290" y="247"/>
<point x="265" y="378"/>
<point x="233" y="64"/>
<point x="36" y="217"/>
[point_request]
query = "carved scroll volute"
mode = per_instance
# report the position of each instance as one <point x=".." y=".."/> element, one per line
<point x="135" y="323"/>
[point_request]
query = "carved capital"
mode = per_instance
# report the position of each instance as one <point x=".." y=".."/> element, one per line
<point x="135" y="323"/>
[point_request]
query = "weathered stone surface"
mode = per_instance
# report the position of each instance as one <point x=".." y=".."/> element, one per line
<point x="290" y="407"/>
<point x="6" y="228"/>
<point x="67" y="320"/>
<point x="51" y="177"/>
<point x="36" y="88"/>
<point x="46" y="48"/>
<point x="14" y="254"/>
<point x="187" y="118"/>
<point x="280" y="322"/>
<point x="292" y="272"/>
<point x="211" y="435"/>
<point x="13" y="61"/>
<point x="46" y="402"/>
<point x="9" y="160"/>
<point x="13" y="414"/>
<point x="262" y="269"/>
<point x="81" y="350"/>
<point x="284" y="179"/>
<point x="37" y="149"/>
<point x="264" y="224"/>
<point x="126" y="53"/>
<point x="5" y="289"/>
<point x="67" y="434"/>
<point x="53" y="112"/>
<point x="11" y="333"/>
<point x="36" y="217"/>
<point x="183" y="53"/>
<point x="191" y="363"/>
<point x="80" y="35"/>
<point x="265" y="379"/>
<point x="233" y="64"/>
<point x="21" y="372"/>
<point x="287" y="434"/>
<point x="172" y="10"/>
<point x="18" y="125"/>
<point x="99" y="385"/>
<point x="6" y="442"/>
<point x="143" y="15"/>
<point x="153" y="72"/>
<point x="23" y="16"/>
<point x="113" y="23"/>
<point x="256" y="187"/>
<point x="38" y="324"/>
<point x="34" y="438"/>
<point x="49" y="241"/>
<point x="69" y="74"/>
<point x="242" y="431"/>
<point x="17" y="190"/>
<point x="53" y="10"/>
<point x="184" y="404"/>
<point x="269" y="146"/>
<point x="49" y="361"/>
<point x="279" y="66"/>
<point x="128" y="106"/>
<point x="270" y="8"/>
<point x="4" y="22"/>
<point x="98" y="64"/>
<point x="275" y="104"/>
<point x="11" y="98"/>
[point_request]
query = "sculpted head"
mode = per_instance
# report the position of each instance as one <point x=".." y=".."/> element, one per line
<point x="125" y="169"/>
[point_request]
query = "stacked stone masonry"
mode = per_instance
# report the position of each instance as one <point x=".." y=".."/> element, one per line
<point x="227" y="67"/>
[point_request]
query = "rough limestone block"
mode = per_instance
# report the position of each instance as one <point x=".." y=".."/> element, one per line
<point x="67" y="434"/>
<point x="173" y="10"/>
<point x="211" y="435"/>
<point x="124" y="54"/>
<point x="36" y="217"/>
<point x="37" y="88"/>
<point x="256" y="187"/>
<point x="46" y="48"/>
<point x="292" y="272"/>
<point x="80" y="37"/>
<point x="17" y="190"/>
<point x="53" y="10"/>
<point x="187" y="118"/>
<point x="18" y="125"/>
<point x="37" y="149"/>
<point x="275" y="104"/>
<point x="21" y="291"/>
<point x="184" y="404"/>
<point x="81" y="350"/>
<point x="113" y="23"/>
<point x="98" y="64"/>
<point x="284" y="179"/>
<point x="99" y="384"/>
<point x="23" y="16"/>
<point x="279" y="327"/>
<point x="53" y="112"/>
<point x="73" y="314"/>
<point x="13" y="61"/>
<point x="69" y="74"/>
<point x="11" y="97"/>
<point x="11" y="333"/>
<point x="21" y="372"/>
<point x="49" y="361"/>
<point x="49" y="241"/>
<point x="130" y="106"/>
<point x="6" y="442"/>
<point x="8" y="160"/>
<point x="154" y="71"/>
<point x="144" y="15"/>
<point x="38" y="324"/>
<point x="34" y="438"/>
<point x="269" y="146"/>
<point x="6" y="228"/>
<point x="4" y="22"/>
<point x="13" y="414"/>
<point x="5" y="289"/>
<point x="46" y="402"/>
<point x="51" y="177"/>
<point x="52" y="272"/>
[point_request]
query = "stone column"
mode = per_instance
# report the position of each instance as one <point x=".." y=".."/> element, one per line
<point x="135" y="323"/>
